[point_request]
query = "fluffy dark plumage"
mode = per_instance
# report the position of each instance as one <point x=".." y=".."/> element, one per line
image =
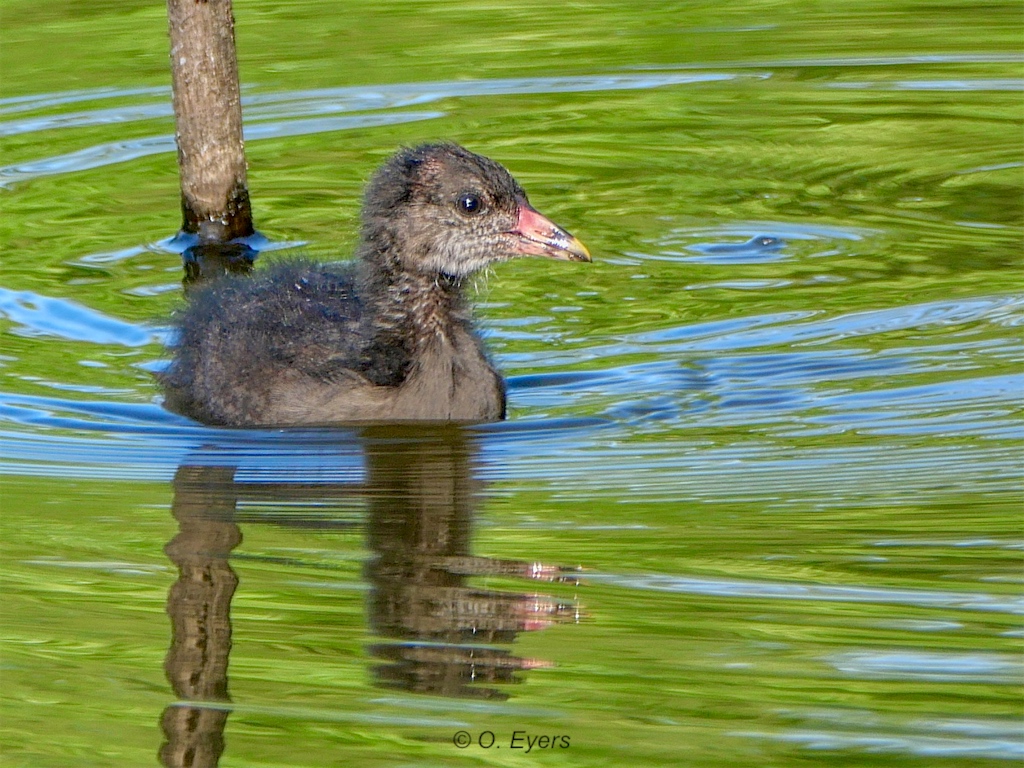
<point x="386" y="337"/>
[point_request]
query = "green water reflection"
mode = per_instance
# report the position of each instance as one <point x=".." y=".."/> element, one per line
<point x="791" y="475"/>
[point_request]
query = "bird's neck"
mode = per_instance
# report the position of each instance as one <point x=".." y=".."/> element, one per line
<point x="413" y="305"/>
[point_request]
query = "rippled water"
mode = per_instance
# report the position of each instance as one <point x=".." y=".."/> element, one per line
<point x="759" y="498"/>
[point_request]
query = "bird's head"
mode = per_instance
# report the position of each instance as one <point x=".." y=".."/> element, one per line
<point x="439" y="208"/>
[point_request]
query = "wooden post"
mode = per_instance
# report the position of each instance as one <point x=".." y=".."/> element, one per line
<point x="208" y="120"/>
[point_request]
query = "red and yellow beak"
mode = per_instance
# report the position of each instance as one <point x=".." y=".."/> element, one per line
<point x="539" y="236"/>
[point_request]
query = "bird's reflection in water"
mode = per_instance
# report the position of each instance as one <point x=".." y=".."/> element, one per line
<point x="439" y="634"/>
<point x="421" y="499"/>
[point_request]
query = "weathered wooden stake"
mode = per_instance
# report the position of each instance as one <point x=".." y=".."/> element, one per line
<point x="208" y="119"/>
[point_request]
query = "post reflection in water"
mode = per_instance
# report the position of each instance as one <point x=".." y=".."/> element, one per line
<point x="199" y="605"/>
<point x="439" y="634"/>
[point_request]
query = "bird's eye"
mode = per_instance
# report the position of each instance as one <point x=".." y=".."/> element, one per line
<point x="469" y="204"/>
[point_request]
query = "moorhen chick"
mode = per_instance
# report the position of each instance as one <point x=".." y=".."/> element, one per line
<point x="386" y="337"/>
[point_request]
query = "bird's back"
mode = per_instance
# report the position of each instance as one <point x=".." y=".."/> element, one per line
<point x="241" y="337"/>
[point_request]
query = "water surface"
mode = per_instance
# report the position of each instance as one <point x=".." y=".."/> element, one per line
<point x="758" y="499"/>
